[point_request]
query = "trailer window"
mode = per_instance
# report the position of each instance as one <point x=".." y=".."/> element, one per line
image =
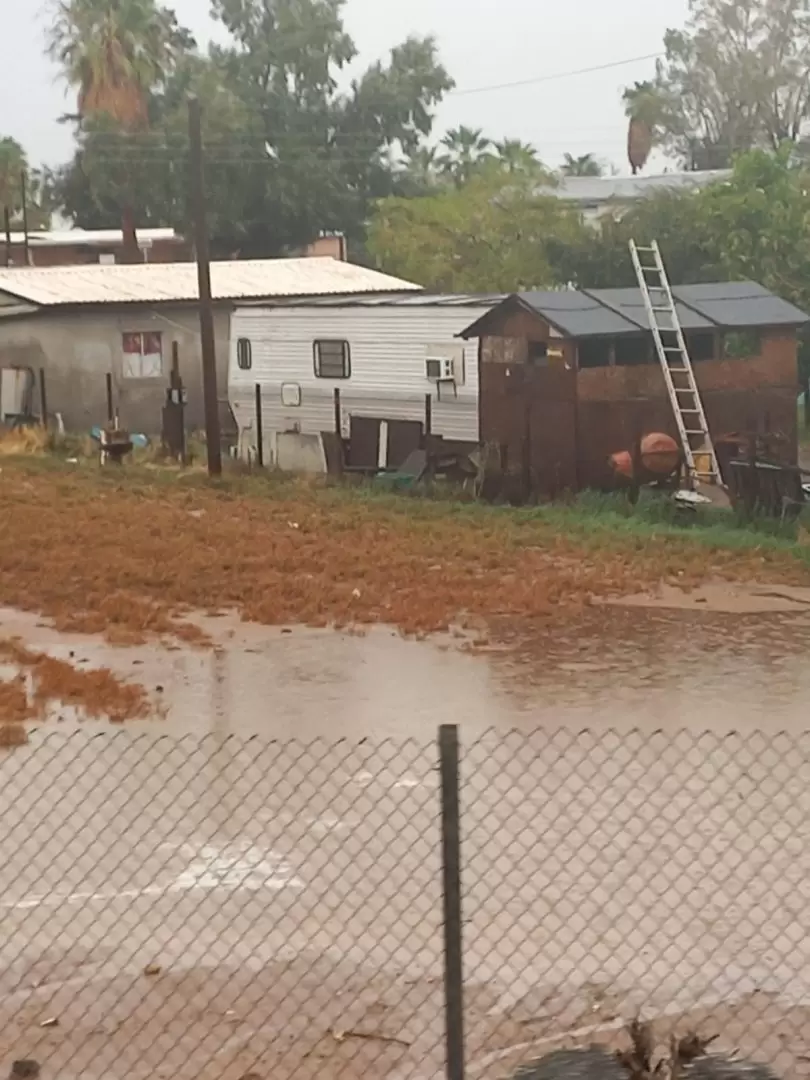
<point x="244" y="354"/>
<point x="332" y="359"/>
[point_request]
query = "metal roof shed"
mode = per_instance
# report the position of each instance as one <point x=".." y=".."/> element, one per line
<point x="588" y="313"/>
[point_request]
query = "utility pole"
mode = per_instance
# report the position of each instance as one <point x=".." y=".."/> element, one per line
<point x="7" y="227"/>
<point x="209" y="358"/>
<point x="24" y="196"/>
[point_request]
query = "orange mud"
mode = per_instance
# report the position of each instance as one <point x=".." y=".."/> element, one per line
<point x="131" y="559"/>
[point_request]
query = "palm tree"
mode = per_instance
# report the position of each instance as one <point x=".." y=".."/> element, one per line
<point x="517" y="156"/>
<point x="464" y="149"/>
<point x="584" y="165"/>
<point x="421" y="166"/>
<point x="13" y="164"/>
<point x="642" y="104"/>
<point x="115" y="53"/>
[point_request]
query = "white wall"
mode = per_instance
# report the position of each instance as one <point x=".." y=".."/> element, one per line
<point x="389" y="345"/>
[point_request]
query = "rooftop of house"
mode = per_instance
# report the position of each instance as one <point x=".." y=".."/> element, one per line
<point x="92" y="237"/>
<point x="596" y="190"/>
<point x="583" y="313"/>
<point x="156" y="283"/>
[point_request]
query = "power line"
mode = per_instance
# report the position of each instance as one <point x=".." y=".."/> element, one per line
<point x="556" y="75"/>
<point x="490" y="88"/>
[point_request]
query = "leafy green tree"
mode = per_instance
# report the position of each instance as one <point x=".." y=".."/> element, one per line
<point x="288" y="154"/>
<point x="584" y="165"/>
<point x="491" y="234"/>
<point x="733" y="79"/>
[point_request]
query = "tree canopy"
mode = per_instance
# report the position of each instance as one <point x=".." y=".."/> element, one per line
<point x="494" y="233"/>
<point x="13" y="167"/>
<point x="288" y="153"/>
<point x="733" y="79"/>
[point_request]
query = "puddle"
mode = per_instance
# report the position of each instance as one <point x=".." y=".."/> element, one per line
<point x="286" y="889"/>
<point x="610" y="667"/>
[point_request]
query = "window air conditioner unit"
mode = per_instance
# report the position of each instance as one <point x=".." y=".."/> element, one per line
<point x="440" y="369"/>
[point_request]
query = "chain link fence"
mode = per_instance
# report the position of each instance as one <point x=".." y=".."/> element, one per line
<point x="226" y="907"/>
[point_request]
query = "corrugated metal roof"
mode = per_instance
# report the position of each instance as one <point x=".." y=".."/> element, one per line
<point x="618" y="312"/>
<point x="594" y="190"/>
<point x="154" y="283"/>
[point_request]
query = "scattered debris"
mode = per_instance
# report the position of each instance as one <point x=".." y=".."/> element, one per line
<point x="153" y="969"/>
<point x="25" y="1069"/>
<point x="51" y="1022"/>
<point x="374" y="1036"/>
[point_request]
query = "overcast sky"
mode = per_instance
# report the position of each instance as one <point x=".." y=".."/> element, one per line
<point x="482" y="43"/>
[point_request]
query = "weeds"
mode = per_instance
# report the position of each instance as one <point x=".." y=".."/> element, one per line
<point x="643" y="1061"/>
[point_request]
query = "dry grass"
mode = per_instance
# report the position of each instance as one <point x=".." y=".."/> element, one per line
<point x="24" y="440"/>
<point x="129" y="556"/>
<point x="97" y="693"/>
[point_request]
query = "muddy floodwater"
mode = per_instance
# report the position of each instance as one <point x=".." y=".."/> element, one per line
<point x="611" y="667"/>
<point x="248" y="884"/>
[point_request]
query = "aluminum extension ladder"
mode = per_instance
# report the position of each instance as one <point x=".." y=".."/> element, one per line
<point x="698" y="449"/>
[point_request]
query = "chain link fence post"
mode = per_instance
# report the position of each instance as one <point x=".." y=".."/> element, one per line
<point x="451" y="892"/>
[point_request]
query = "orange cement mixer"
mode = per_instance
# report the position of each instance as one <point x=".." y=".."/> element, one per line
<point x="659" y="454"/>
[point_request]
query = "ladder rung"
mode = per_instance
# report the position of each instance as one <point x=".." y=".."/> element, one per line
<point x="674" y="359"/>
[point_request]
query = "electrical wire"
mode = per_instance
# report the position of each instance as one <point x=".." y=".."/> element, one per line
<point x="554" y="76"/>
<point x="493" y="87"/>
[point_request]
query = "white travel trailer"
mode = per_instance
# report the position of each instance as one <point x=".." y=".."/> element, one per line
<point x="385" y="355"/>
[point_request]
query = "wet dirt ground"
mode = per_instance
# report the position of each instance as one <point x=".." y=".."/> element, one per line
<point x="250" y="884"/>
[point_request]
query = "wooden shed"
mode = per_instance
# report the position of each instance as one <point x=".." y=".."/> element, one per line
<point x="569" y="377"/>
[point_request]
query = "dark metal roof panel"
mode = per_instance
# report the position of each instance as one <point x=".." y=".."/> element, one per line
<point x="405" y="300"/>
<point x="577" y="314"/>
<point x="740" y="303"/>
<point x="629" y="303"/>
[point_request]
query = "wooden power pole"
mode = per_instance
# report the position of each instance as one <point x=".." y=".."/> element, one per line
<point x="209" y="357"/>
